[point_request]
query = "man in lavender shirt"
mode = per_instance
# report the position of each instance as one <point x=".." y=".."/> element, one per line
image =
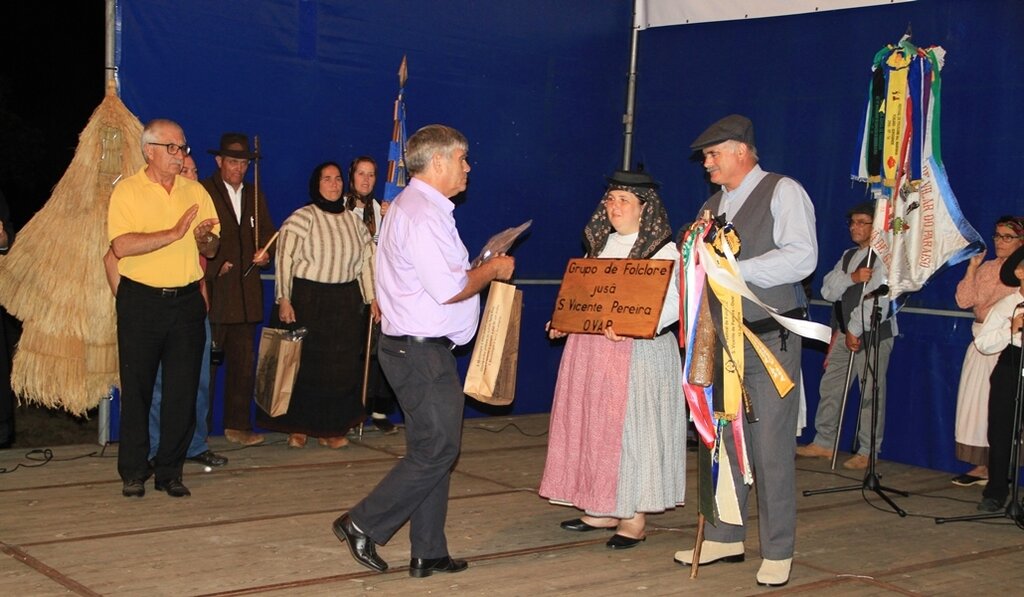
<point x="429" y="301"/>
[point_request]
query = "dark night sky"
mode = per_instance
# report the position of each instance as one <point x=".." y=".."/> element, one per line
<point x="51" y="79"/>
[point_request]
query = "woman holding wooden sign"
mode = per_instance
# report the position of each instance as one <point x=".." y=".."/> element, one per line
<point x="617" y="444"/>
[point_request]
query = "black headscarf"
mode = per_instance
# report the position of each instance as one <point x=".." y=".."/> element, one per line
<point x="655" y="231"/>
<point x="369" y="217"/>
<point x="334" y="207"/>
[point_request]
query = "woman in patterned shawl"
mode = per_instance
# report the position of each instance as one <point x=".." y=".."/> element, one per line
<point x="617" y="441"/>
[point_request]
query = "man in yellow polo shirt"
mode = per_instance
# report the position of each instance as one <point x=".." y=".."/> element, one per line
<point x="158" y="224"/>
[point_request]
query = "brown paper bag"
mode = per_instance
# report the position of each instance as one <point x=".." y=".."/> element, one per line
<point x="277" y="367"/>
<point x="491" y="377"/>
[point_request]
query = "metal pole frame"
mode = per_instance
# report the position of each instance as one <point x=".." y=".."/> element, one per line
<point x="628" y="117"/>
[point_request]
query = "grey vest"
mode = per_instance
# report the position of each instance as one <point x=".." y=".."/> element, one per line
<point x="754" y="224"/>
<point x="851" y="299"/>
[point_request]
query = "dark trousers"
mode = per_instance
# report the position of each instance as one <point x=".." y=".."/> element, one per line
<point x="427" y="385"/>
<point x="155" y="330"/>
<point x="238" y="341"/>
<point x="380" y="398"/>
<point x="1000" y="423"/>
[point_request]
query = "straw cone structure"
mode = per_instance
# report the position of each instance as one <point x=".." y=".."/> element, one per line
<point x="53" y="279"/>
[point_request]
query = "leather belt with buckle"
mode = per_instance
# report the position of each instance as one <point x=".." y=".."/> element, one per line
<point x="442" y="340"/>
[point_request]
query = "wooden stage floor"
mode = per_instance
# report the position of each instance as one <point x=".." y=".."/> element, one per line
<point x="261" y="525"/>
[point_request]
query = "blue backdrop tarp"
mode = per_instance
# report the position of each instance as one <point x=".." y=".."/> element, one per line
<point x="539" y="87"/>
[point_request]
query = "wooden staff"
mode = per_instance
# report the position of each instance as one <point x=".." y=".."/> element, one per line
<point x="256" y="192"/>
<point x="366" y="368"/>
<point x="259" y="254"/>
<point x="700" y="537"/>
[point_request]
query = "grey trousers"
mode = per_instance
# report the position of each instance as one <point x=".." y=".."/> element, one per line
<point x="429" y="391"/>
<point x="826" y="421"/>
<point x="771" y="446"/>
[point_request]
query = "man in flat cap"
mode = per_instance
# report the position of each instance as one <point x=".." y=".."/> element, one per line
<point x="236" y="300"/>
<point x="857" y="274"/>
<point x="774" y="219"/>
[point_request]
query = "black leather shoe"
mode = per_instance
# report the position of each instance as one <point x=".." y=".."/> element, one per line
<point x="420" y="567"/>
<point x="173" y="487"/>
<point x="622" y="542"/>
<point x="133" y="488"/>
<point x="385" y="426"/>
<point x="359" y="543"/>
<point x="577" y="524"/>
<point x="990" y="505"/>
<point x="208" y="458"/>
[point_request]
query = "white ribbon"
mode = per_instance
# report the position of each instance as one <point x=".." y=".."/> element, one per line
<point x="735" y="283"/>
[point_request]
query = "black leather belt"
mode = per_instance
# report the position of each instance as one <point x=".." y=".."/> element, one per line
<point x="442" y="340"/>
<point x="163" y="292"/>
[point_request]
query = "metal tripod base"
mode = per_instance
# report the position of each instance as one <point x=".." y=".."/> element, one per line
<point x="871" y="483"/>
<point x="1013" y="511"/>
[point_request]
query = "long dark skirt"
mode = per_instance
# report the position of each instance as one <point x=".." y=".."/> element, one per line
<point x="1001" y="403"/>
<point x="327" y="399"/>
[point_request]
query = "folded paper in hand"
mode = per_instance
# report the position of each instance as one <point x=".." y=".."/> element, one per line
<point x="500" y="243"/>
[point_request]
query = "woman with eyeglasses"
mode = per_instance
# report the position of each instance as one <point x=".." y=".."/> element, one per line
<point x="617" y="440"/>
<point x="979" y="290"/>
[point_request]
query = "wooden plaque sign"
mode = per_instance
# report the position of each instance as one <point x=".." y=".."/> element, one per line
<point x="626" y="294"/>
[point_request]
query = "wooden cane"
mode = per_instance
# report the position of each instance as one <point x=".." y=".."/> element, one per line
<point x="696" y="548"/>
<point x="366" y="368"/>
<point x="256" y="191"/>
<point x="259" y="254"/>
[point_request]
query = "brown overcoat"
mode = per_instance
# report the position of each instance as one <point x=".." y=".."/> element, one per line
<point x="234" y="299"/>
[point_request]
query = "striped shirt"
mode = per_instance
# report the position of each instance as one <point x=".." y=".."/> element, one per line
<point x="324" y="247"/>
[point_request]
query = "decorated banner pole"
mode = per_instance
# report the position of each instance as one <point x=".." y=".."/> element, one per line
<point x="396" y="151"/>
<point x="392" y="187"/>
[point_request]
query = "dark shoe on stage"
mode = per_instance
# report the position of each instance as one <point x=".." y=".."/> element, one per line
<point x="623" y="542"/>
<point x="420" y="567"/>
<point x="990" y="505"/>
<point x="359" y="543"/>
<point x="577" y="524"/>
<point x="133" y="488"/>
<point x="174" y="488"/>
<point x="208" y="458"/>
<point x="968" y="480"/>
<point x="385" y="426"/>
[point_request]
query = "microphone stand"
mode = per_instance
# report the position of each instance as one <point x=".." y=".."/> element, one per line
<point x="871" y="481"/>
<point x="849" y="374"/>
<point x="1013" y="511"/>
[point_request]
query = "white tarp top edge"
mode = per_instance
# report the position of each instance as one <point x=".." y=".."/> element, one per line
<point x="662" y="13"/>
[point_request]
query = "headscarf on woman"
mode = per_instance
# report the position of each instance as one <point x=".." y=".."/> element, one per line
<point x="334" y="207"/>
<point x="350" y="197"/>
<point x="655" y="231"/>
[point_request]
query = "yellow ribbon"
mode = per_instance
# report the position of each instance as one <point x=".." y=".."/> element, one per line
<point x="895" y="116"/>
<point x="732" y="345"/>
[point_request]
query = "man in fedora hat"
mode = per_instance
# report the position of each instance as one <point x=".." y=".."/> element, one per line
<point x="774" y="219"/>
<point x="236" y="300"/>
